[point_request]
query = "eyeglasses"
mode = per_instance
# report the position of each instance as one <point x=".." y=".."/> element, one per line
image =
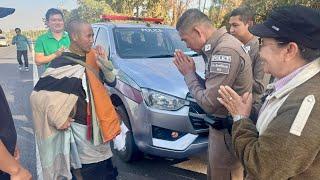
<point x="262" y="44"/>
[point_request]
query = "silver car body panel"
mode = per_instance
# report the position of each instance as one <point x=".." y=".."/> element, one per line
<point x="159" y="74"/>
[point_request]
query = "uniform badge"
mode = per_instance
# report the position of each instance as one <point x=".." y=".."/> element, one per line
<point x="220" y="64"/>
<point x="207" y="47"/>
<point x="246" y="48"/>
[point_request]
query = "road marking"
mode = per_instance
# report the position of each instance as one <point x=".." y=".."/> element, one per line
<point x="195" y="163"/>
<point x="29" y="130"/>
<point x="35" y="80"/>
<point x="34" y="67"/>
<point x="20" y="117"/>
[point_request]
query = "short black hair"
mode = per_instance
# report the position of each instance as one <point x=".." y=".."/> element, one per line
<point x="17" y="29"/>
<point x="191" y="17"/>
<point x="53" y="11"/>
<point x="245" y="14"/>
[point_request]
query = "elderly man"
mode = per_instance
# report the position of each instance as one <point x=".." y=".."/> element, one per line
<point x="284" y="144"/>
<point x="74" y="117"/>
<point x="226" y="64"/>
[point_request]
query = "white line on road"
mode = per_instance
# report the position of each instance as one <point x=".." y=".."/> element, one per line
<point x="35" y="80"/>
<point x="20" y="117"/>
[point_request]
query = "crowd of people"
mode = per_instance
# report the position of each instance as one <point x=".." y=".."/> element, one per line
<point x="257" y="129"/>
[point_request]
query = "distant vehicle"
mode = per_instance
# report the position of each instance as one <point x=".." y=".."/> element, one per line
<point x="151" y="96"/>
<point x="3" y="41"/>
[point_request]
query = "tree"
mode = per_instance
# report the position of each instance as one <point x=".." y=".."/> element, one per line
<point x="263" y="8"/>
<point x="89" y="10"/>
<point x="220" y="9"/>
<point x="177" y="7"/>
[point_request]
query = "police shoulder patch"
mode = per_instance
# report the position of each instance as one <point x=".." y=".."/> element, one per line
<point x="246" y="49"/>
<point x="220" y="64"/>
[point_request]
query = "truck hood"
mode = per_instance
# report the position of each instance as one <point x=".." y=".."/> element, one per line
<point x="158" y="74"/>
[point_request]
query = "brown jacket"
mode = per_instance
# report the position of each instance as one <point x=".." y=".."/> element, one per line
<point x="288" y="146"/>
<point x="226" y="64"/>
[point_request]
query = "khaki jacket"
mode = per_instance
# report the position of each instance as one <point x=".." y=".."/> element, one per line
<point x="257" y="68"/>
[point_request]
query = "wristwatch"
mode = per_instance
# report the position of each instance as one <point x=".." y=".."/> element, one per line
<point x="238" y="117"/>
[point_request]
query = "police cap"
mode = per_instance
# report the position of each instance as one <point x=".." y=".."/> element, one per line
<point x="293" y="23"/>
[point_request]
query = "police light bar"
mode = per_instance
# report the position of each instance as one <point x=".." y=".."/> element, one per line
<point x="130" y="18"/>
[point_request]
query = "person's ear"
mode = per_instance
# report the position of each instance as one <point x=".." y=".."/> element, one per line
<point x="250" y="23"/>
<point x="74" y="36"/>
<point x="292" y="50"/>
<point x="199" y="32"/>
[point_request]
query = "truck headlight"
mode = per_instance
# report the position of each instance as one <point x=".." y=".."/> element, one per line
<point x="162" y="101"/>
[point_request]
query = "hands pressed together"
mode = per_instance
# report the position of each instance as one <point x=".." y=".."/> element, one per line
<point x="184" y="63"/>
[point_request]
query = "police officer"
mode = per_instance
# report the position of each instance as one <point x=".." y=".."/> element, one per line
<point x="226" y="64"/>
<point x="240" y="20"/>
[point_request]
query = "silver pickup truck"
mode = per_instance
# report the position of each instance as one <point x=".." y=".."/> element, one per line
<point x="151" y="96"/>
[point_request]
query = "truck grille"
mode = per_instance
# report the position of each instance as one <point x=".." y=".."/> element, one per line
<point x="196" y="115"/>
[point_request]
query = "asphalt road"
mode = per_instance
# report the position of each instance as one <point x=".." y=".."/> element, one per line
<point x="18" y="86"/>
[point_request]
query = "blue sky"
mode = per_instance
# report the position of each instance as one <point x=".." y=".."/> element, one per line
<point x="29" y="13"/>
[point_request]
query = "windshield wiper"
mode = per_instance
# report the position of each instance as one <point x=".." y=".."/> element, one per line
<point x="161" y="56"/>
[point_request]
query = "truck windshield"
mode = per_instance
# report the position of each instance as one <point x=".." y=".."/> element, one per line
<point x="148" y="42"/>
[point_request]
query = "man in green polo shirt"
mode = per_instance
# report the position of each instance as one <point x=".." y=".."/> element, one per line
<point x="51" y="44"/>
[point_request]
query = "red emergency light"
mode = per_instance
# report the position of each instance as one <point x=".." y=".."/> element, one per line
<point x="130" y="18"/>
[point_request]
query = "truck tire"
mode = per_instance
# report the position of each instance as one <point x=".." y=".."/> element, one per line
<point x="130" y="152"/>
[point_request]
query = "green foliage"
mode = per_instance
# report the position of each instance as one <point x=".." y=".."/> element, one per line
<point x="263" y="8"/>
<point x="170" y="10"/>
<point x="89" y="10"/>
<point x="126" y="7"/>
<point x="220" y="9"/>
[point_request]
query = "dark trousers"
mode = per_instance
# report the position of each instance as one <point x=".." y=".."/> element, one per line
<point x="23" y="53"/>
<point x="103" y="170"/>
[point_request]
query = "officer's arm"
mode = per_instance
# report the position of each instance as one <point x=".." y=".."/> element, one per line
<point x="280" y="152"/>
<point x="201" y="80"/>
<point x="221" y="73"/>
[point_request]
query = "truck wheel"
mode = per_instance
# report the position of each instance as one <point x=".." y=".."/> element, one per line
<point x="130" y="152"/>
